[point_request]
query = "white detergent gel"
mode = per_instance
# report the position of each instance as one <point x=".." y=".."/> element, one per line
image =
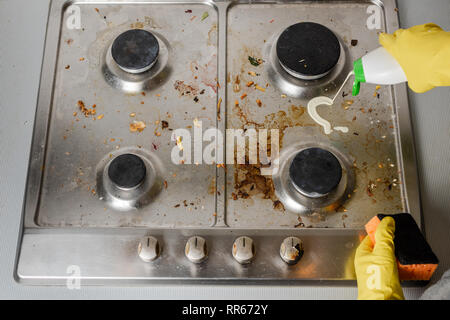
<point x="322" y="100"/>
<point x="342" y="129"/>
<point x="312" y="111"/>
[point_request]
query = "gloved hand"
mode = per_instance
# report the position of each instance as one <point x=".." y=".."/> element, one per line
<point x="376" y="268"/>
<point x="423" y="52"/>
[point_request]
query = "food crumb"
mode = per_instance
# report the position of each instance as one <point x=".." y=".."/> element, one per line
<point x="204" y="15"/>
<point x="138" y="126"/>
<point x="255" y="61"/>
<point x="260" y="88"/>
<point x="85" y="110"/>
<point x="218" y="105"/>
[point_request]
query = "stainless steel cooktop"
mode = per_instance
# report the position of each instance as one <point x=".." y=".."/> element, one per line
<point x="121" y="79"/>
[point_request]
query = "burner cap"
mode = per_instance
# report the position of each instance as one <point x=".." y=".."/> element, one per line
<point x="135" y="51"/>
<point x="315" y="172"/>
<point x="308" y="50"/>
<point x="127" y="171"/>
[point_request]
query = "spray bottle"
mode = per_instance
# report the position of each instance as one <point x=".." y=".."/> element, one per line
<point x="377" y="67"/>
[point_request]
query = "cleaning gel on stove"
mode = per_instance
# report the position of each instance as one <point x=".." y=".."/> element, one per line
<point x="377" y="67"/>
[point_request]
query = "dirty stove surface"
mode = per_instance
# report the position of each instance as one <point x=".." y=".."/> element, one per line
<point x="103" y="193"/>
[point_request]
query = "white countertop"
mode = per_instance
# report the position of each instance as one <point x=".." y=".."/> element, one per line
<point x="22" y="34"/>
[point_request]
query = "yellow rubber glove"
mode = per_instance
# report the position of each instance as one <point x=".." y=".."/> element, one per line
<point x="376" y="268"/>
<point x="423" y="52"/>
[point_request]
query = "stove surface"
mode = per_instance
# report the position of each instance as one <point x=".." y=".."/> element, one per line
<point x="122" y="82"/>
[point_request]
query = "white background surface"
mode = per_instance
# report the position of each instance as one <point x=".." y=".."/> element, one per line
<point x="22" y="34"/>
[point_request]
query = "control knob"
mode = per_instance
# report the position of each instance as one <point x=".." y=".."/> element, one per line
<point x="291" y="250"/>
<point x="149" y="249"/>
<point x="243" y="250"/>
<point x="196" y="250"/>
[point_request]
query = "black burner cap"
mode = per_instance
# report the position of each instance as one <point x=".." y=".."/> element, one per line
<point x="135" y="50"/>
<point x="127" y="171"/>
<point x="308" y="50"/>
<point x="315" y="172"/>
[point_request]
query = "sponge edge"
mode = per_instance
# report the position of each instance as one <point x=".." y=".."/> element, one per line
<point x="415" y="259"/>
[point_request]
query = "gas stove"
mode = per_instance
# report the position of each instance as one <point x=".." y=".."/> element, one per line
<point x="118" y="193"/>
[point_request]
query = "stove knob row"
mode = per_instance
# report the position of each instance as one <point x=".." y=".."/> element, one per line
<point x="243" y="250"/>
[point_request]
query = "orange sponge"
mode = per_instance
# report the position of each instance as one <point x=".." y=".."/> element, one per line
<point x="415" y="259"/>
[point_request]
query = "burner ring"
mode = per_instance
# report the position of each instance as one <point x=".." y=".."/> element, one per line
<point x="308" y="50"/>
<point x="129" y="178"/>
<point x="315" y="172"/>
<point x="135" y="51"/>
<point x="127" y="171"/>
<point x="298" y="200"/>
